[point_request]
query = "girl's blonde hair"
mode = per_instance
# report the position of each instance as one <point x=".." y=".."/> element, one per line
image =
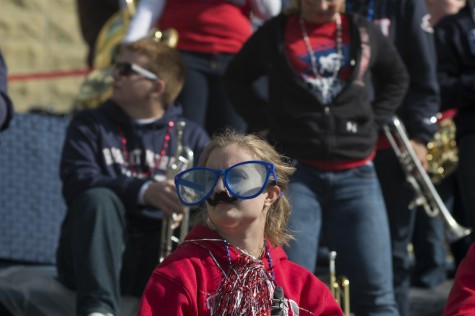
<point x="277" y="216"/>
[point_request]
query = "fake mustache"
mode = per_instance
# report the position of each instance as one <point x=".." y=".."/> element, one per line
<point x="221" y="197"/>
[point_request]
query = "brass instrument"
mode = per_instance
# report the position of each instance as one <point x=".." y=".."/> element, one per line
<point x="97" y="87"/>
<point x="442" y="151"/>
<point x="183" y="159"/>
<point x="426" y="194"/>
<point x="339" y="287"/>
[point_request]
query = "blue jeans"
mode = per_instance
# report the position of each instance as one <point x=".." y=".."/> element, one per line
<point x="347" y="209"/>
<point x="203" y="97"/>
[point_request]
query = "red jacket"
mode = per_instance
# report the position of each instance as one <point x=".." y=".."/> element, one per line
<point x="461" y="301"/>
<point x="181" y="284"/>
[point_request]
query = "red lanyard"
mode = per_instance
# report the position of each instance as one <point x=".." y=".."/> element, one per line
<point x="163" y="151"/>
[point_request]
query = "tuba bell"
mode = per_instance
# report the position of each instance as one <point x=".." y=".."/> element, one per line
<point x="97" y="86"/>
<point x="426" y="194"/>
<point x="442" y="151"/>
<point x="183" y="159"/>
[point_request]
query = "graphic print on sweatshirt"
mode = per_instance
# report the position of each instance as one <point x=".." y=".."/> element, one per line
<point x="326" y="84"/>
<point x="140" y="164"/>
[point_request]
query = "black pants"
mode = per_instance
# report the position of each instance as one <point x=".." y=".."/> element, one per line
<point x="103" y="254"/>
<point x="397" y="195"/>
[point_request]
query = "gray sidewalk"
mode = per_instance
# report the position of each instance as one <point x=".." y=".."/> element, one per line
<point x="429" y="302"/>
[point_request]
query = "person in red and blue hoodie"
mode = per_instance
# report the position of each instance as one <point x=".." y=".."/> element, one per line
<point x="114" y="173"/>
<point x="232" y="262"/>
<point x="461" y="300"/>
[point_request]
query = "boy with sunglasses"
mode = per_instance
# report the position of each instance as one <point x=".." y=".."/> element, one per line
<point x="113" y="168"/>
<point x="232" y="262"/>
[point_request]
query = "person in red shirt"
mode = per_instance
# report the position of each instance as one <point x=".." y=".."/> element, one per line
<point x="461" y="301"/>
<point x="232" y="262"/>
<point x="210" y="33"/>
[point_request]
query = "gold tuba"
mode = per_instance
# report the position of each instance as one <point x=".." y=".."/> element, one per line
<point x="442" y="151"/>
<point x="426" y="195"/>
<point x="339" y="287"/>
<point x="183" y="159"/>
<point x="97" y="87"/>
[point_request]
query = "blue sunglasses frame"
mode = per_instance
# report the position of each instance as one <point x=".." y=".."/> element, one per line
<point x="269" y="167"/>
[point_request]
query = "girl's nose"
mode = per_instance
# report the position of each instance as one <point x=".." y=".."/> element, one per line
<point x="220" y="187"/>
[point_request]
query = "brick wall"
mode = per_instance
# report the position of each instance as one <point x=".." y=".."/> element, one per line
<point x="41" y="36"/>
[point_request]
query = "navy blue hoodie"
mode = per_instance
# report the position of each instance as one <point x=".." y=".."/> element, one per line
<point x="98" y="141"/>
<point x="404" y="23"/>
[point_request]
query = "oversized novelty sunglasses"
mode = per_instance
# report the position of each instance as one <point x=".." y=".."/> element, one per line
<point x="126" y="69"/>
<point x="244" y="180"/>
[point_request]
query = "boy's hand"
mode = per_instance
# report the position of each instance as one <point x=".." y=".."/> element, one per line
<point x="162" y="195"/>
<point x="421" y="152"/>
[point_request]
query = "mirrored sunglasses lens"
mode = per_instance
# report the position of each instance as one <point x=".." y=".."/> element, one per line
<point x="247" y="180"/>
<point x="195" y="185"/>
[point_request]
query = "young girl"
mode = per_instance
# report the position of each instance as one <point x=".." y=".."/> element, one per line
<point x="231" y="263"/>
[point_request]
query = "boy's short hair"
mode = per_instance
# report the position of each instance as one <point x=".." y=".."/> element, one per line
<point x="164" y="61"/>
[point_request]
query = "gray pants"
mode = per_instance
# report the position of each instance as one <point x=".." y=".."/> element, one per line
<point x="102" y="253"/>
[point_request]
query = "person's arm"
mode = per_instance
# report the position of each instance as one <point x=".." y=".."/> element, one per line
<point x="417" y="49"/>
<point x="265" y="9"/>
<point x="461" y="300"/>
<point x="456" y="83"/>
<point x="6" y="105"/>
<point x="248" y="65"/>
<point x="81" y="166"/>
<point x="390" y="74"/>
<point x="147" y="15"/>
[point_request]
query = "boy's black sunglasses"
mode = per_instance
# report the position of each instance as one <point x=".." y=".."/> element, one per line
<point x="126" y="69"/>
